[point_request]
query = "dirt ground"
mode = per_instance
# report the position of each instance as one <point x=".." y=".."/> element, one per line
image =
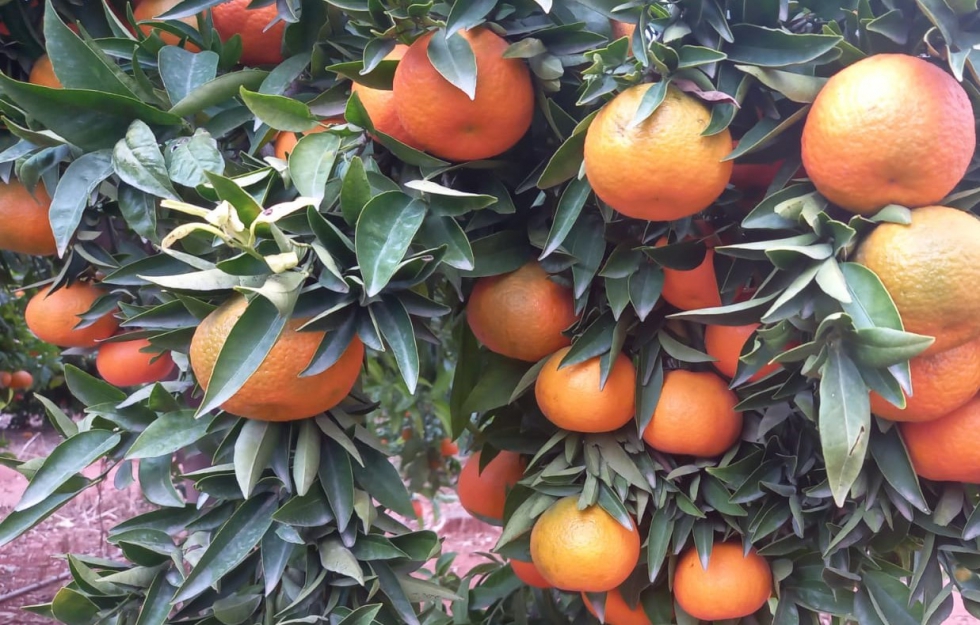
<point x="80" y="527"/>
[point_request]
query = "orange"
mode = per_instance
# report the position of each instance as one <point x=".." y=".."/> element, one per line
<point x="150" y="9"/>
<point x="695" y="416"/>
<point x="662" y="169"/>
<point x="889" y="129"/>
<point x="21" y="379"/>
<point x="753" y="178"/>
<point x="380" y="104"/>
<point x="617" y="611"/>
<point x="621" y="29"/>
<point x="5" y="379"/>
<point x="733" y="586"/>
<point x="26" y="229"/>
<point x="692" y="289"/>
<point x="259" y="46"/>
<point x="521" y="314"/>
<point x="726" y="342"/>
<point x="947" y="449"/>
<point x="528" y="573"/>
<point x="570" y="397"/>
<point x="275" y="392"/>
<point x="448" y="448"/>
<point x="126" y="364"/>
<point x="286" y="141"/>
<point x="583" y="550"/>
<point x="931" y="268"/>
<point x="483" y="494"/>
<point x="445" y="121"/>
<point x="941" y="383"/>
<point x="53" y="318"/>
<point x="43" y="73"/>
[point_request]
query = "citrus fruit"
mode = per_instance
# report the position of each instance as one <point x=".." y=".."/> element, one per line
<point x="570" y="396"/>
<point x="941" y="383"/>
<point x="725" y="343"/>
<point x="5" y="379"/>
<point x="661" y="169"/>
<point x="483" y="494"/>
<point x="528" y="573"/>
<point x="621" y="29"/>
<point x="931" y="268"/>
<point x="380" y="104"/>
<point x="617" y="611"/>
<point x="753" y="178"/>
<point x="946" y="449"/>
<point x="42" y="73"/>
<point x="583" y="550"/>
<point x="54" y="318"/>
<point x="125" y="363"/>
<point x="445" y="121"/>
<point x="694" y="288"/>
<point x="695" y="415"/>
<point x="26" y="229"/>
<point x="151" y="9"/>
<point x="261" y="44"/>
<point x="275" y="391"/>
<point x="889" y="129"/>
<point x="448" y="448"/>
<point x="733" y="586"/>
<point x="286" y="141"/>
<point x="21" y="379"/>
<point x="521" y="314"/>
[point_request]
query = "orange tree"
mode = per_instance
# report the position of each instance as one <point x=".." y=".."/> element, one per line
<point x="571" y="194"/>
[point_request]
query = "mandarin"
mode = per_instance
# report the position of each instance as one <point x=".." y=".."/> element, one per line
<point x="733" y="586"/>
<point x="692" y="288"/>
<point x="528" y="573"/>
<point x="26" y="228"/>
<point x="946" y="449"/>
<point x="42" y="73"/>
<point x="380" y="104"/>
<point x="570" y="397"/>
<point x="483" y="493"/>
<point x="150" y="9"/>
<point x="126" y="363"/>
<point x="725" y="343"/>
<point x="617" y="612"/>
<point x="261" y="43"/>
<point x="55" y="317"/>
<point x="695" y="415"/>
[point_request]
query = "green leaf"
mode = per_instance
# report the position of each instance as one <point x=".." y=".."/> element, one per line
<point x="306" y="458"/>
<point x="138" y="161"/>
<point x="336" y="558"/>
<point x="437" y="231"/>
<point x="61" y="422"/>
<point x="16" y="524"/>
<point x="871" y="305"/>
<point x="845" y="421"/>
<point x="253" y="450"/>
<point x="380" y="77"/>
<point x="337" y="481"/>
<point x="892" y="458"/>
<point x="191" y="158"/>
<point x="217" y="91"/>
<point x="139" y="209"/>
<point x="311" y="162"/>
<point x="355" y="192"/>
<point x="466" y="14"/>
<point x="453" y="58"/>
<point x="650" y="102"/>
<point x="884" y="347"/>
<point x="645" y="288"/>
<point x="573" y="199"/>
<point x="279" y="112"/>
<point x="773" y="47"/>
<point x="66" y="460"/>
<point x="380" y="478"/>
<point x="392" y="588"/>
<point x="72" y="194"/>
<point x="227" y="189"/>
<point x="156" y="481"/>
<point x="797" y="87"/>
<point x="567" y="159"/>
<point x="658" y="540"/>
<point x="275" y="557"/>
<point x="156" y="606"/>
<point x="182" y="72"/>
<point x="72" y="607"/>
<point x="384" y="232"/>
<point x="396" y="328"/>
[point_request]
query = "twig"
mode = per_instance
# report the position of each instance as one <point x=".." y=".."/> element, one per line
<point x="33" y="587"/>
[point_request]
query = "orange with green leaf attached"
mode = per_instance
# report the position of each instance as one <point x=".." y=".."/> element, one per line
<point x="56" y="317"/>
<point x="617" y="612"/>
<point x="484" y="493"/>
<point x="734" y="585"/>
<point x="571" y="396"/>
<point x="260" y="28"/>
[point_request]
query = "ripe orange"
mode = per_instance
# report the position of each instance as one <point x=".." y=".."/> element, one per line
<point x="53" y="318"/>
<point x="889" y="129"/>
<point x="445" y="121"/>
<point x="150" y="9"/>
<point x="448" y="448"/>
<point x="726" y="342"/>
<point x="941" y="383"/>
<point x="483" y="494"/>
<point x="521" y="314"/>
<point x="695" y="416"/>
<point x="528" y="573"/>
<point x="570" y="397"/>
<point x="259" y="46"/>
<point x="5" y="379"/>
<point x="733" y="586"/>
<point x="662" y="169"/>
<point x="380" y="104"/>
<point x="946" y="449"/>
<point x="692" y="289"/>
<point x="617" y="611"/>
<point x="275" y="392"/>
<point x="126" y="364"/>
<point x="42" y="73"/>
<point x="21" y="379"/>
<point x="583" y="550"/>
<point x="286" y="141"/>
<point x="26" y="229"/>
<point x="931" y="268"/>
<point x="753" y="178"/>
<point x="621" y="29"/>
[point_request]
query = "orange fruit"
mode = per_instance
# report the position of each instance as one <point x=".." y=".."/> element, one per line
<point x="521" y="314"/>
<point x="380" y="104"/>
<point x="150" y="9"/>
<point x="570" y="397"/>
<point x="733" y="586"/>
<point x="889" y="129"/>
<point x="259" y="46"/>
<point x="621" y="29"/>
<point x="528" y="573"/>
<point x="941" y="383"/>
<point x="275" y="392"/>
<point x="42" y="73"/>
<point x="483" y="494"/>
<point x="126" y="364"/>
<point x="617" y="611"/>
<point x="53" y="318"/>
<point x="286" y="141"/>
<point x="26" y="229"/>
<point x="661" y="169"/>
<point x="753" y="178"/>
<point x="21" y="379"/>
<point x="946" y="449"/>
<point x="5" y="379"/>
<point x="445" y="121"/>
<point x="726" y="342"/>
<point x="583" y="550"/>
<point x="694" y="288"/>
<point x="695" y="416"/>
<point x="448" y="448"/>
<point x="931" y="268"/>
